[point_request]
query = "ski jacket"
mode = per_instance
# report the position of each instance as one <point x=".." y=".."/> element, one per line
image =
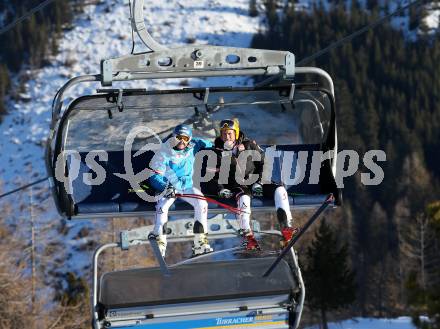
<point x="175" y="167"/>
<point x="251" y="166"/>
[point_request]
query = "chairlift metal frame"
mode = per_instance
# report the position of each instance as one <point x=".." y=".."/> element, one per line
<point x="180" y="231"/>
<point x="185" y="62"/>
<point x="180" y="62"/>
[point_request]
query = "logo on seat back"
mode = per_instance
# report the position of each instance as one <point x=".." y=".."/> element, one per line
<point x="231" y="321"/>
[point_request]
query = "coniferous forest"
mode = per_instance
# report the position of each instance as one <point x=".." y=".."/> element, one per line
<point x="31" y="42"/>
<point x="387" y="97"/>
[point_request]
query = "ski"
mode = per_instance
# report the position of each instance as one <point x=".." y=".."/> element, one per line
<point x="318" y="212"/>
<point x="162" y="264"/>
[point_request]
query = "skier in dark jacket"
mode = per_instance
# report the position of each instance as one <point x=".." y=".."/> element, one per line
<point x="231" y="143"/>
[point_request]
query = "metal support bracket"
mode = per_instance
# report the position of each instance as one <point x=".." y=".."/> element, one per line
<point x="289" y="66"/>
<point x="206" y="99"/>
<point x="219" y="227"/>
<point x="197" y="61"/>
<point x="106" y="73"/>
<point x="119" y="102"/>
<point x="292" y="92"/>
<point x="191" y="61"/>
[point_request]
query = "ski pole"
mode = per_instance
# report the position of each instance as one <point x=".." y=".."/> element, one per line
<point x="223" y="205"/>
<point x="330" y="199"/>
<point x="201" y="197"/>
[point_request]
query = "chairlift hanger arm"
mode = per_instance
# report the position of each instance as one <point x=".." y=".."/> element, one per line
<point x="138" y="25"/>
<point x="191" y="61"/>
<point x="197" y="61"/>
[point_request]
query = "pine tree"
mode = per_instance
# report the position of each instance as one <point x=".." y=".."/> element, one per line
<point x="386" y="99"/>
<point x="414" y="18"/>
<point x="419" y="248"/>
<point x="379" y="258"/>
<point x="433" y="211"/>
<point x="328" y="278"/>
<point x="271" y="14"/>
<point x="372" y="4"/>
<point x="27" y="42"/>
<point x="4" y="86"/>
<point x="253" y="10"/>
<point x="424" y="294"/>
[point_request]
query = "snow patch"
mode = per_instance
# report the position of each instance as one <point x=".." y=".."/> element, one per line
<point x="432" y="20"/>
<point x="403" y="322"/>
<point x="103" y="31"/>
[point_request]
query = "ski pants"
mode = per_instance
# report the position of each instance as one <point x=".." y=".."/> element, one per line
<point x="164" y="204"/>
<point x="278" y="192"/>
<point x="244" y="217"/>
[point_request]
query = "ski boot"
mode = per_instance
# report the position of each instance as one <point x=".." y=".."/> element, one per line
<point x="249" y="242"/>
<point x="286" y="231"/>
<point x="161" y="242"/>
<point x="201" y="245"/>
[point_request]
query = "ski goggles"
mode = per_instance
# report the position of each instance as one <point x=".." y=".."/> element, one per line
<point x="183" y="138"/>
<point x="228" y="124"/>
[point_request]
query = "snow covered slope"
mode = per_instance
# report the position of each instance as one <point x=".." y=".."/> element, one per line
<point x="103" y="31"/>
<point x="403" y="322"/>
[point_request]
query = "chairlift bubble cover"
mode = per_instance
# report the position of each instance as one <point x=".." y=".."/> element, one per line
<point x="86" y="126"/>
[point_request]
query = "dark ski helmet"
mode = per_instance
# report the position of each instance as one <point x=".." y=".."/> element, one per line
<point x="183" y="130"/>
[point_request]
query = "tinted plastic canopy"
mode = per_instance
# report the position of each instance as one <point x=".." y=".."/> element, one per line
<point x="88" y="154"/>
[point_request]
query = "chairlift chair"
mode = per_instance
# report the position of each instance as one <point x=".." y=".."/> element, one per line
<point x="88" y="135"/>
<point x="100" y="122"/>
<point x="221" y="289"/>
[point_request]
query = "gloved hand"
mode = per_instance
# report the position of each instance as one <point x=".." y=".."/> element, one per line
<point x="225" y="193"/>
<point x="257" y="189"/>
<point x="170" y="192"/>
